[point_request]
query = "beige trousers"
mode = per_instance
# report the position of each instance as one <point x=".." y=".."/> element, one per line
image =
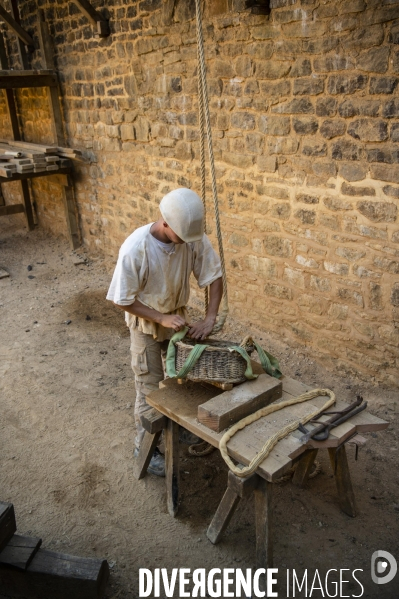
<point x="148" y="360"/>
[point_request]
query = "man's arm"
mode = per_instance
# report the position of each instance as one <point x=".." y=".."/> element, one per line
<point x="169" y="321"/>
<point x="202" y="328"/>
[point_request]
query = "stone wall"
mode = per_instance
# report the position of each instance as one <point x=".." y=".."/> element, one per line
<point x="305" y="114"/>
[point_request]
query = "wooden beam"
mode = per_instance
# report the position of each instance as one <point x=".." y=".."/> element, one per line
<point x="7" y="523"/>
<point x="147" y="448"/>
<point x="16" y="28"/>
<point x="339" y="465"/>
<point x="11" y="209"/>
<point x="33" y="175"/>
<point x="94" y="17"/>
<point x="45" y="42"/>
<point x="70" y="214"/>
<point x="13" y="80"/>
<point x="10" y="97"/>
<point x="263" y="521"/>
<point x="20" y="551"/>
<point x="28" y="205"/>
<point x="172" y="466"/>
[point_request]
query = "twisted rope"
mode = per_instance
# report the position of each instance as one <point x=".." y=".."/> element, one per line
<point x="205" y="122"/>
<point x="243" y="471"/>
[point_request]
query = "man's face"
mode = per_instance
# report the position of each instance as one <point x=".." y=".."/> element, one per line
<point x="171" y="234"/>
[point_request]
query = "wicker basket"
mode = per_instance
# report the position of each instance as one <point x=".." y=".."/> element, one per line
<point x="216" y="363"/>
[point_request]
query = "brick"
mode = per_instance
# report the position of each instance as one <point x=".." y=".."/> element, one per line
<point x="383" y="85"/>
<point x="271" y="69"/>
<point x="294" y="277"/>
<point x="277" y="246"/>
<point x="305" y="125"/>
<point x="351" y="190"/>
<point x="319" y="283"/>
<point x="368" y="130"/>
<point x="378" y="211"/>
<point x="332" y="128"/>
<point x="350" y="296"/>
<point x="264" y="267"/>
<point x="278" y="291"/>
<point x="296" y="106"/>
<point x="307" y="262"/>
<point x="274" y="125"/>
<point x="352" y="171"/>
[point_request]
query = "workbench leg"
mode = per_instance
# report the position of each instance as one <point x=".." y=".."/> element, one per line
<point x="70" y="215"/>
<point x="264" y="528"/>
<point x="28" y="205"/>
<point x="172" y="466"/>
<point x="304" y="467"/>
<point x="339" y="464"/>
<point x="146" y="452"/>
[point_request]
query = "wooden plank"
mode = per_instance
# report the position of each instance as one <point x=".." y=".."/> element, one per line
<point x="7" y="523"/>
<point x="147" y="448"/>
<point x="94" y="17"/>
<point x="304" y="467"/>
<point x="10" y="97"/>
<point x="339" y="465"/>
<point x="20" y="551"/>
<point x="153" y="421"/>
<point x="223" y="515"/>
<point x="172" y="466"/>
<point x="28" y="205"/>
<point x="56" y="576"/>
<point x="263" y="523"/>
<point x="33" y="175"/>
<point x="243" y="486"/>
<point x="27" y="80"/>
<point x="22" y="49"/>
<point x="70" y="214"/>
<point x="45" y="42"/>
<point x="16" y="28"/>
<point x="231" y="406"/>
<point x="11" y="209"/>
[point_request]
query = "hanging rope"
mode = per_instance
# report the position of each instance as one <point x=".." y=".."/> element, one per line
<point x="272" y="441"/>
<point x="205" y="125"/>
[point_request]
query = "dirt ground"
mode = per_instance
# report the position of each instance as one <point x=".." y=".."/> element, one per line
<point x="67" y="431"/>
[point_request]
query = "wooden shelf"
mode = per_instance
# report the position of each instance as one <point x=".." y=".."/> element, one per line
<point x="18" y="79"/>
<point x="32" y="175"/>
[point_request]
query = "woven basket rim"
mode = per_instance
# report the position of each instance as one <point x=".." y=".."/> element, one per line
<point x="213" y="344"/>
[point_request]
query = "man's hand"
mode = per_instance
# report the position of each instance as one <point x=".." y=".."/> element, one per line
<point x="201" y="329"/>
<point x="173" y="321"/>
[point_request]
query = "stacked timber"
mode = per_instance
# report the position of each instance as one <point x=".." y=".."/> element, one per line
<point x="24" y="157"/>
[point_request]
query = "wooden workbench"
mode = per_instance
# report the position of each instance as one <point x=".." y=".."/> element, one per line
<point x="178" y="405"/>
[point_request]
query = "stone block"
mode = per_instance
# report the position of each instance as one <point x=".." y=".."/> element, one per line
<point x="295" y="106"/>
<point x="363" y="272"/>
<point x="378" y="211"/>
<point x="383" y="155"/>
<point x="278" y="246"/>
<point x="254" y="143"/>
<point x="364" y="329"/>
<point x="336" y="62"/>
<point x="349" y="253"/>
<point x="243" y="120"/>
<point x="338" y="311"/>
<point x="384" y="172"/>
<point x="294" y="277"/>
<point x="305" y="29"/>
<point x="280" y="193"/>
<point x="238" y="240"/>
<point x="283" y="146"/>
<point x="395" y="294"/>
<point x="260" y="50"/>
<point x="332" y="128"/>
<point x="374" y="60"/>
<point x="351" y="171"/>
<point x="350" y="296"/>
<point x="307" y="217"/>
<point x="342" y="84"/>
<point x="244" y="66"/>
<point x="222" y="68"/>
<point x="337" y="268"/>
<point x="306" y="261"/>
<point x="278" y="291"/>
<point x="386" y="264"/>
<point x="361" y="38"/>
<point x="239" y="160"/>
<point x="321" y="45"/>
<point x="275" y="90"/>
<point x="307" y="199"/>
<point x="391" y="191"/>
<point x="142" y="129"/>
<point x="263" y="267"/>
<point x="329" y="221"/>
<point x="383" y="85"/>
<point x="314" y="149"/>
<point x="337" y="204"/>
<point x="300" y="331"/>
<point x="345" y="150"/>
<point x="305" y="125"/>
<point x="271" y="69"/>
<point x="368" y="130"/>
<point x="355" y="107"/>
<point x="127" y="132"/>
<point x="301" y="68"/>
<point x="326" y="106"/>
<point x="267" y="164"/>
<point x="391" y="109"/>
<point x="274" y="125"/>
<point x="376" y="296"/>
<point x="352" y="190"/>
<point x="324" y="169"/>
<point x="312" y="304"/>
<point x="319" y="283"/>
<point x="281" y="211"/>
<point x="266" y="31"/>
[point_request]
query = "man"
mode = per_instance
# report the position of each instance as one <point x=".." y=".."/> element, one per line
<point x="151" y="284"/>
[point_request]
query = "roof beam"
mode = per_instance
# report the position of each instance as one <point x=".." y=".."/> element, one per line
<point x="94" y="17"/>
<point x="16" y="28"/>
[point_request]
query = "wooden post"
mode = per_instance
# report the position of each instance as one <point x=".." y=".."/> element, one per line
<point x="304" y="467"/>
<point x="23" y="57"/>
<point x="70" y="213"/>
<point x="147" y="448"/>
<point x="339" y="464"/>
<point x="172" y="466"/>
<point x="263" y="520"/>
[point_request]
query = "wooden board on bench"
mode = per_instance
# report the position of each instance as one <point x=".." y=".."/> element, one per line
<point x="20" y="551"/>
<point x="7" y="523"/>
